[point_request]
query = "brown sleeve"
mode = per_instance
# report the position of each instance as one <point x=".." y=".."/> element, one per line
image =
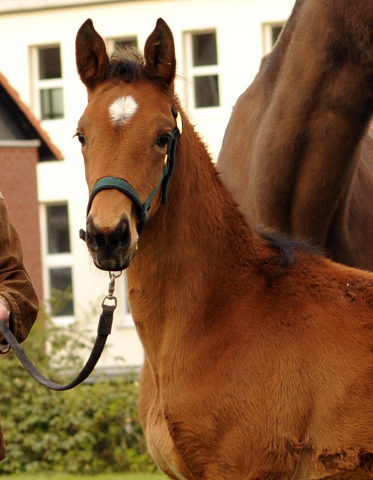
<point x="15" y="283"/>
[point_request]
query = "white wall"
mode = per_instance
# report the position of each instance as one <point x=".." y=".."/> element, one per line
<point x="240" y="47"/>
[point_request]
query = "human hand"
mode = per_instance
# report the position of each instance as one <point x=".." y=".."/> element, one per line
<point x="4" y="311"/>
<point x="4" y="316"/>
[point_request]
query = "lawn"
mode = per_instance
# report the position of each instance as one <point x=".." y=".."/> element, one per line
<point x="104" y="476"/>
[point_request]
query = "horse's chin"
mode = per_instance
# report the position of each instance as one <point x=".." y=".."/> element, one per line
<point x="113" y="264"/>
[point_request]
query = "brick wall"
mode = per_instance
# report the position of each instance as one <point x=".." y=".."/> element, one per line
<point x="18" y="185"/>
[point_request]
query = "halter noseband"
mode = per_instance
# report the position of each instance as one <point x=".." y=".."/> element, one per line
<point x="123" y="186"/>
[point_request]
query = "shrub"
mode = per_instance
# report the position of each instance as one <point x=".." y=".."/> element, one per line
<point x="93" y="428"/>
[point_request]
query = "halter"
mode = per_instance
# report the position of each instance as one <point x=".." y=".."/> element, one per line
<point x="123" y="186"/>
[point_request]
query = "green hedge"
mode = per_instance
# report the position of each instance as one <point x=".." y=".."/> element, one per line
<point x="91" y="429"/>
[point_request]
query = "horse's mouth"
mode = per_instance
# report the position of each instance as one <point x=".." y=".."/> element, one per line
<point x="112" y="264"/>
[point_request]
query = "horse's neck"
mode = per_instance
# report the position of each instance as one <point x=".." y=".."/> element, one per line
<point x="187" y="250"/>
<point x="311" y="120"/>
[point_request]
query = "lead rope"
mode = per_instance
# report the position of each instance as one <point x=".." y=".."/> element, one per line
<point x="103" y="331"/>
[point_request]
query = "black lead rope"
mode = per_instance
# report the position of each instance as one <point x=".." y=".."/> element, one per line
<point x="103" y="331"/>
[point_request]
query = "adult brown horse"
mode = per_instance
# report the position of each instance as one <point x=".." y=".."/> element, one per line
<point x="255" y="368"/>
<point x="297" y="153"/>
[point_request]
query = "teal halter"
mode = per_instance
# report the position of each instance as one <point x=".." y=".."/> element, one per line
<point x="107" y="183"/>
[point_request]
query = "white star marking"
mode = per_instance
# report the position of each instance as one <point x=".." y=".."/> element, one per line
<point x="122" y="110"/>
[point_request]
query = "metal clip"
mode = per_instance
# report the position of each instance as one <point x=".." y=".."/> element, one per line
<point x="110" y="296"/>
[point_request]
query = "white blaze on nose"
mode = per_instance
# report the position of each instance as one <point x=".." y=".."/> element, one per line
<point x="122" y="110"/>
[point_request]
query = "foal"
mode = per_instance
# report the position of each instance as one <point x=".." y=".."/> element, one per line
<point x="258" y="359"/>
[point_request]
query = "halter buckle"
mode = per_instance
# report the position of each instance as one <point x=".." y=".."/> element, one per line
<point x="111" y="288"/>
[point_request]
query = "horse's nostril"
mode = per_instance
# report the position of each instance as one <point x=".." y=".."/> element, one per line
<point x="108" y="240"/>
<point x="121" y="236"/>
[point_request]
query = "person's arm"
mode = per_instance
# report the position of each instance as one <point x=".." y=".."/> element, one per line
<point x="18" y="300"/>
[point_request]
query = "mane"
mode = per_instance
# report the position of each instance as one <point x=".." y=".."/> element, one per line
<point x="287" y="247"/>
<point x="126" y="64"/>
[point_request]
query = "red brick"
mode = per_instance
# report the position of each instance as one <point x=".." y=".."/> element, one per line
<point x="18" y="184"/>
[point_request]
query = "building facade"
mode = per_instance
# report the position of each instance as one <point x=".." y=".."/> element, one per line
<point x="23" y="143"/>
<point x="219" y="46"/>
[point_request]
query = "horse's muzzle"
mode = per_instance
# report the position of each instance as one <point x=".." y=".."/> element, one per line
<point x="110" y="247"/>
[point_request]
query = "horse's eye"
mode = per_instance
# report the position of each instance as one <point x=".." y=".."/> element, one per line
<point x="80" y="138"/>
<point x="163" y="140"/>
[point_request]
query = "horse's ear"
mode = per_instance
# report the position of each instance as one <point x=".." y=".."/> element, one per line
<point x="160" y="55"/>
<point x="91" y="58"/>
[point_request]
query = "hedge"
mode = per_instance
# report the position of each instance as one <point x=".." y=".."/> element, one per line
<point x="93" y="428"/>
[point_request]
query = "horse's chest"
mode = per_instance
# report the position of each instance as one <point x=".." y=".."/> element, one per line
<point x="162" y="448"/>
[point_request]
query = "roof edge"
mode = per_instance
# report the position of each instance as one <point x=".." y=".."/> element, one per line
<point x="42" y="134"/>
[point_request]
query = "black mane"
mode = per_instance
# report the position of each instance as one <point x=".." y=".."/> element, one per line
<point x="287" y="247"/>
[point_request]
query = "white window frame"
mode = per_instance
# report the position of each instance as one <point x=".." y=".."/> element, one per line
<point x="110" y="42"/>
<point x="37" y="84"/>
<point x="192" y="71"/>
<point x="267" y="35"/>
<point x="54" y="260"/>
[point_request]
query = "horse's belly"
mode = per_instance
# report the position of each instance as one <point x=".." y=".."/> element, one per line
<point x="162" y="448"/>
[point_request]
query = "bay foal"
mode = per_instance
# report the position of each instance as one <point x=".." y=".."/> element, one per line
<point x="258" y="354"/>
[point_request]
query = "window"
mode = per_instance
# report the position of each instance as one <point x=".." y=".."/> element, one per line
<point x="58" y="229"/>
<point x="47" y="81"/>
<point x="61" y="295"/>
<point x="203" y="69"/>
<point x="113" y="44"/>
<point x="271" y="32"/>
<point x="58" y="261"/>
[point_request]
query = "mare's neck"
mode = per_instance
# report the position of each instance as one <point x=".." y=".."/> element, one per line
<point x="306" y="150"/>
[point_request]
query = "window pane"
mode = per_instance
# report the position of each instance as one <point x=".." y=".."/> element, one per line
<point x="49" y="63"/>
<point x="61" y="292"/>
<point x="58" y="229"/>
<point x="206" y="91"/>
<point x="204" y="49"/>
<point x="51" y="100"/>
<point x="275" y="32"/>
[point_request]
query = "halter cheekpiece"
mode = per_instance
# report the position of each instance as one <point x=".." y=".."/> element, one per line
<point x="107" y="183"/>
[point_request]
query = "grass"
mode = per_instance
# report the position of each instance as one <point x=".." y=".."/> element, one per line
<point x="103" y="476"/>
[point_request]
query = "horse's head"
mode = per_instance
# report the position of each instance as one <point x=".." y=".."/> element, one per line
<point x="128" y="134"/>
